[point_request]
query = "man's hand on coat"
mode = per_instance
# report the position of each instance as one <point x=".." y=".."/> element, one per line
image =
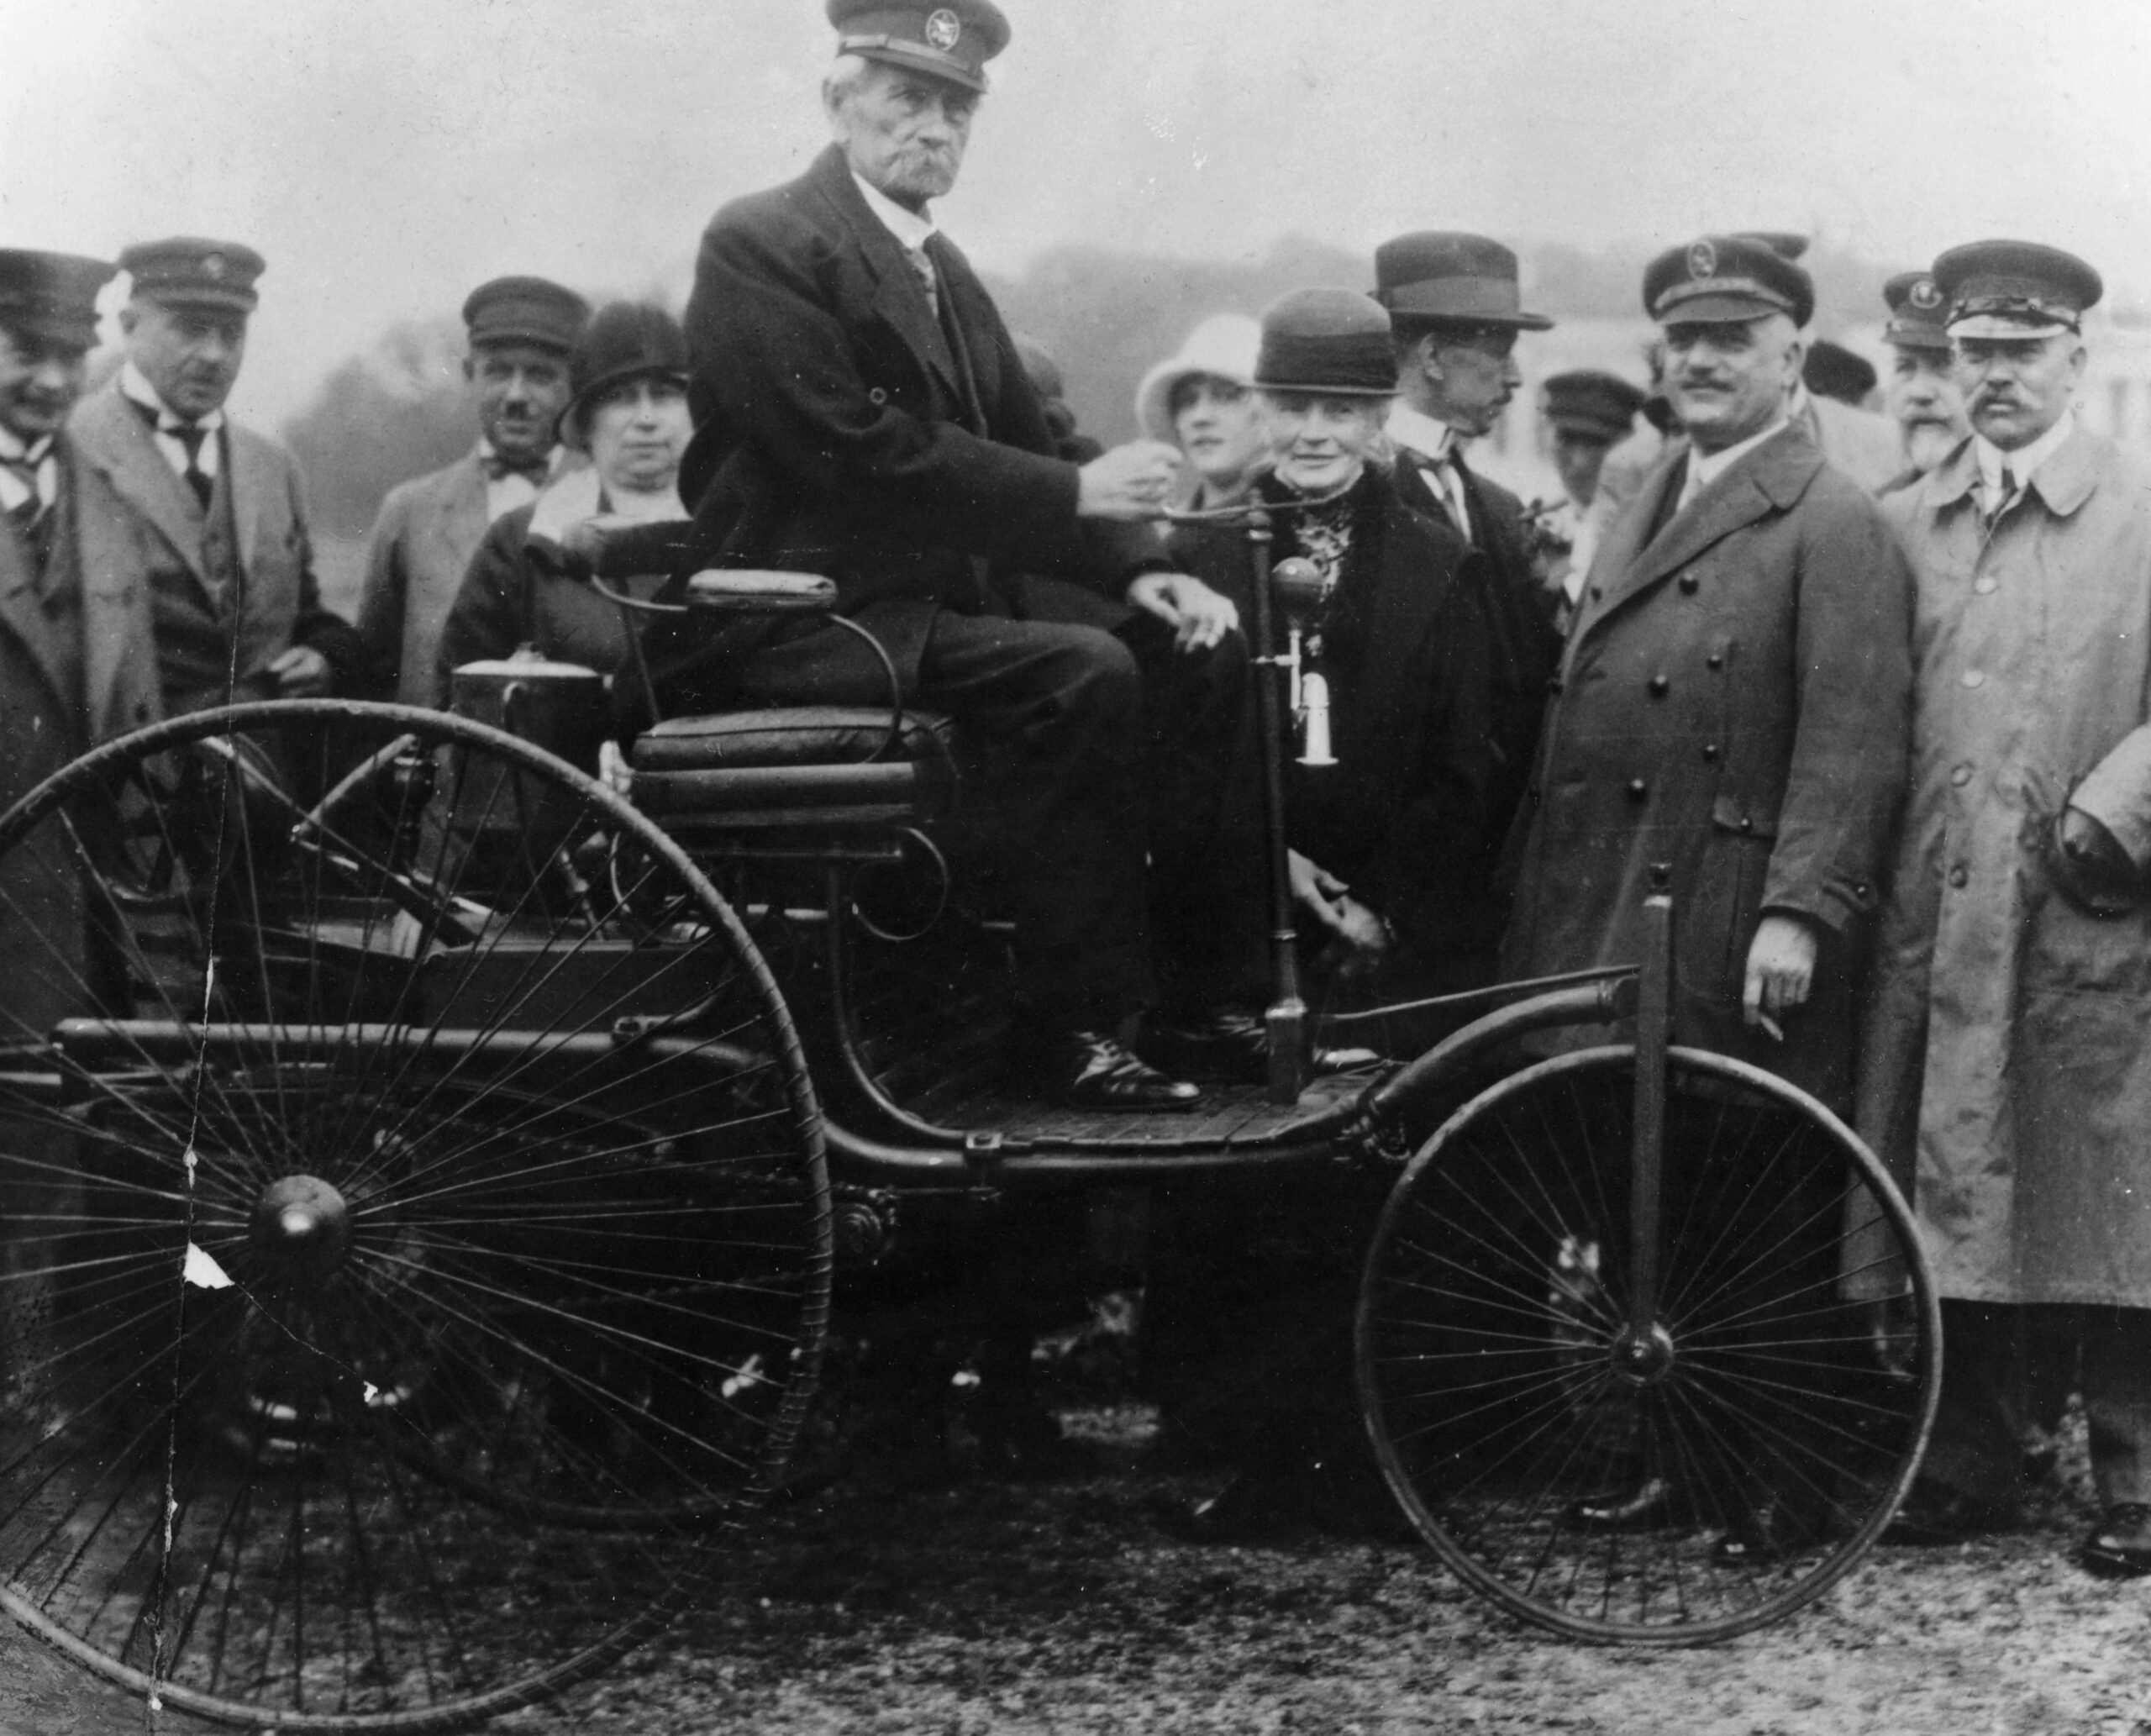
<point x="1199" y="617"/>
<point x="302" y="673"/>
<point x="1130" y="483"/>
<point x="1363" y="935"/>
<point x="1781" y="971"/>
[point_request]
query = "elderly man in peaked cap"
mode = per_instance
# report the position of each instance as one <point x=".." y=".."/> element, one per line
<point x="2007" y="1066"/>
<point x="199" y="527"/>
<point x="864" y="413"/>
<point x="521" y="331"/>
<point x="1922" y="391"/>
<point x="1731" y="718"/>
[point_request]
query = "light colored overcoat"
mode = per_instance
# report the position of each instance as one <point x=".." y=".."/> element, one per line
<point x="1734" y="705"/>
<point x="2029" y="1022"/>
<point x="417" y="555"/>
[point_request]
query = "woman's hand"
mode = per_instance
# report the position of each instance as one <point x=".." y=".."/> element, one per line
<point x="1363" y="935"/>
<point x="1200" y="617"/>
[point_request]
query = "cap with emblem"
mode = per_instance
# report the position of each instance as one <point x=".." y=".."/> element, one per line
<point x="1446" y="277"/>
<point x="1334" y="341"/>
<point x="1915" y="312"/>
<point x="2014" y="289"/>
<point x="187" y="271"/>
<point x="952" y="41"/>
<point x="1589" y="404"/>
<point x="525" y="310"/>
<point x="51" y="296"/>
<point x="1716" y="280"/>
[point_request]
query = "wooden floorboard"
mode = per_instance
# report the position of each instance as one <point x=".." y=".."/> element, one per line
<point x="1230" y="1112"/>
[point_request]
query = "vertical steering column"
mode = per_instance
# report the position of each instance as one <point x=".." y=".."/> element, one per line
<point x="1285" y="1019"/>
<point x="1647" y="1172"/>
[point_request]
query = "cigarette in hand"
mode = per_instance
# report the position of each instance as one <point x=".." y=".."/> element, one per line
<point x="1771" y="1028"/>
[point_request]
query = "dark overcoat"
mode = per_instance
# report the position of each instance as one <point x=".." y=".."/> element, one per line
<point x="1401" y="818"/>
<point x="1734" y="704"/>
<point x="843" y="429"/>
<point x="1524" y="649"/>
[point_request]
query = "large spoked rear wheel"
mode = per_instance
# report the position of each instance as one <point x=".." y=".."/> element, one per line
<point x="414" y="1250"/>
<point x="1705" y="1476"/>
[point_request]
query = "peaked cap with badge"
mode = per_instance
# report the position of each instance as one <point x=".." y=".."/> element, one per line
<point x="1445" y="277"/>
<point x="51" y="296"/>
<point x="188" y="271"/>
<point x="1719" y="280"/>
<point x="953" y="40"/>
<point x="1917" y="311"/>
<point x="2015" y="289"/>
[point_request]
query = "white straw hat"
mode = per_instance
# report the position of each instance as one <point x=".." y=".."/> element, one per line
<point x="1224" y="346"/>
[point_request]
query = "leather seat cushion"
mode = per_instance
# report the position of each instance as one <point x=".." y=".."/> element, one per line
<point x="790" y="735"/>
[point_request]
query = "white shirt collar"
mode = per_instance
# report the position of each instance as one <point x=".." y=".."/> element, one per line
<point x="137" y="386"/>
<point x="911" y="228"/>
<point x="1428" y="436"/>
<point x="2025" y="460"/>
<point x="12" y="449"/>
<point x="1704" y="470"/>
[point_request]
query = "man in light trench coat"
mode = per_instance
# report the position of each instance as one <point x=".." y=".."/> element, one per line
<point x="2006" y="1066"/>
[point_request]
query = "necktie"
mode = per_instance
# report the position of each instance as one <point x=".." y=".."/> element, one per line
<point x="922" y="268"/>
<point x="191" y="435"/>
<point x="2005" y="491"/>
<point x="1441" y="475"/>
<point x="537" y="468"/>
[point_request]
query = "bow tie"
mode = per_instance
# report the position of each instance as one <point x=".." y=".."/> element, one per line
<point x="534" y="469"/>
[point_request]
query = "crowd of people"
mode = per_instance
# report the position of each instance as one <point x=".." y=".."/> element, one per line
<point x="1869" y="696"/>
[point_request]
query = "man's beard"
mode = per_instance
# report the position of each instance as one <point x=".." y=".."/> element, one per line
<point x="1926" y="444"/>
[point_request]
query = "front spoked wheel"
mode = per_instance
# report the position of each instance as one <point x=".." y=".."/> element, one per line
<point x="1709" y="1474"/>
<point x="415" y="1247"/>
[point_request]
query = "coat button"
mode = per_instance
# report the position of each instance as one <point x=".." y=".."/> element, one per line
<point x="1638" y="789"/>
<point x="1986" y="587"/>
<point x="1710" y="750"/>
<point x="1598" y="592"/>
<point x="1860" y="889"/>
<point x="1659" y="687"/>
<point x="1715" y="660"/>
<point x="1689" y="583"/>
<point x="1959" y="877"/>
<point x="1746" y="823"/>
<point x="1960" y="776"/>
<point x="1973" y="677"/>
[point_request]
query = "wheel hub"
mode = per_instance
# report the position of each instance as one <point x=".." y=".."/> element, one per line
<point x="1642" y="1360"/>
<point x="301" y="1226"/>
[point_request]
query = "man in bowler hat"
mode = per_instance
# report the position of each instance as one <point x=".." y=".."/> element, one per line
<point x="199" y="524"/>
<point x="864" y="411"/>
<point x="521" y="332"/>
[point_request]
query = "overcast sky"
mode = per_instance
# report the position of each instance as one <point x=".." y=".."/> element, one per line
<point x="387" y="154"/>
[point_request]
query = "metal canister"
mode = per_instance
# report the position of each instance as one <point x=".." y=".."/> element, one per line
<point x="559" y="707"/>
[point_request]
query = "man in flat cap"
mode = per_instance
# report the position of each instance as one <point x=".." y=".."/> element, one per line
<point x="521" y="330"/>
<point x="201" y="526"/>
<point x="864" y="413"/>
<point x="1730" y="719"/>
<point x="1456" y="311"/>
<point x="2007" y="1066"/>
<point x="1589" y="412"/>
<point x="1922" y="391"/>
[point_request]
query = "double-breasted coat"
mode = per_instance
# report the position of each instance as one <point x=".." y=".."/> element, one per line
<point x="2008" y="1060"/>
<point x="1733" y="704"/>
<point x="135" y="530"/>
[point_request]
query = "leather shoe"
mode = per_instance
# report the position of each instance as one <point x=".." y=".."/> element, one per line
<point x="1093" y="1069"/>
<point x="1934" y="1515"/>
<point x="1652" y="1505"/>
<point x="1225" y="1043"/>
<point x="2121" y="1547"/>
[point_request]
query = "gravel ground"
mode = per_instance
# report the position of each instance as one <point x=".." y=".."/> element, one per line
<point x="960" y="1605"/>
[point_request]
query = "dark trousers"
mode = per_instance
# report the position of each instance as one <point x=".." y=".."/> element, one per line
<point x="1106" y="746"/>
<point x="1997" y="1358"/>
